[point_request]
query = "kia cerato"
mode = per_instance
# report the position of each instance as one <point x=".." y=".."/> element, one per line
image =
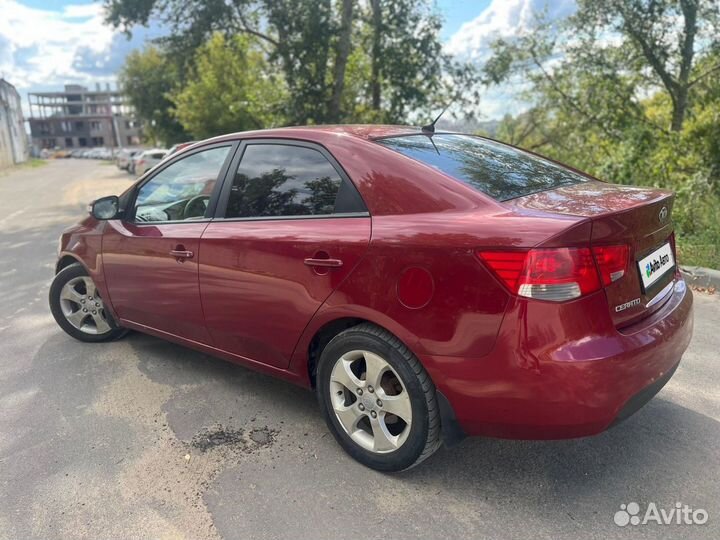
<point x="426" y="285"/>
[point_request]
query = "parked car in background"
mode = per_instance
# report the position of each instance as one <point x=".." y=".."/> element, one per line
<point x="179" y="146"/>
<point x="60" y="154"/>
<point x="148" y="159"/>
<point x="124" y="156"/>
<point x="93" y="153"/>
<point x="425" y="286"/>
<point x="133" y="162"/>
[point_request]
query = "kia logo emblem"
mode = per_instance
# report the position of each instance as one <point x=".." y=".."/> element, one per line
<point x="663" y="214"/>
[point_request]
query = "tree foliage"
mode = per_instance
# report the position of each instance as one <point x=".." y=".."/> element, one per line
<point x="628" y="90"/>
<point x="341" y="60"/>
<point x="148" y="78"/>
<point x="230" y="88"/>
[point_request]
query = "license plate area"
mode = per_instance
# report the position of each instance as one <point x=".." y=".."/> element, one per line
<point x="655" y="266"/>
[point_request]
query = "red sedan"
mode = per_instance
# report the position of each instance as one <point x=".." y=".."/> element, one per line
<point x="426" y="285"/>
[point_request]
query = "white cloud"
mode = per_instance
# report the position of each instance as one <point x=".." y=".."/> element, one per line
<point x="42" y="49"/>
<point x="501" y="19"/>
<point x="40" y="44"/>
<point x="81" y="10"/>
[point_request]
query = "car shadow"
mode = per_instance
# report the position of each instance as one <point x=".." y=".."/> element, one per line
<point x="652" y="447"/>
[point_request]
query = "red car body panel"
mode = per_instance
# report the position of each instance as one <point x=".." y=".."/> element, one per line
<point x="150" y="287"/>
<point x="559" y="373"/>
<point x="508" y="366"/>
<point x="248" y="264"/>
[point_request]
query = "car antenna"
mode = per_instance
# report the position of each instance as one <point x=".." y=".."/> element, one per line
<point x="430" y="128"/>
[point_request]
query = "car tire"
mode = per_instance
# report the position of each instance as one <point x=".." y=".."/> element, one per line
<point x="361" y="416"/>
<point x="78" y="308"/>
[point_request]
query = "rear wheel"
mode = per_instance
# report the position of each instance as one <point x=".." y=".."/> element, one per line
<point x="78" y="307"/>
<point x="377" y="399"/>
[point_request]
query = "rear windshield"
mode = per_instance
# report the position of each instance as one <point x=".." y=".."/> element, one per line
<point x="497" y="170"/>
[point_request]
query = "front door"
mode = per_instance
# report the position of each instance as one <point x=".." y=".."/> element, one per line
<point x="150" y="258"/>
<point x="290" y="226"/>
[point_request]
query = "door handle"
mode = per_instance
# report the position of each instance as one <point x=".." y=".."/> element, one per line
<point x="181" y="254"/>
<point x="324" y="263"/>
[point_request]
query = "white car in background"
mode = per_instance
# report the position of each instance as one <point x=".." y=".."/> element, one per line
<point x="148" y="159"/>
<point x="124" y="156"/>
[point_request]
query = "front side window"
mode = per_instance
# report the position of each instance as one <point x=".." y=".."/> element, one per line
<point x="498" y="170"/>
<point x="283" y="180"/>
<point x="182" y="190"/>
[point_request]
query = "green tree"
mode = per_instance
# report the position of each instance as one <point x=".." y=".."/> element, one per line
<point x="304" y="30"/>
<point x="231" y="87"/>
<point x="627" y="90"/>
<point x="317" y="43"/>
<point x="632" y="45"/>
<point x="148" y="78"/>
<point x="663" y="34"/>
<point x="408" y="70"/>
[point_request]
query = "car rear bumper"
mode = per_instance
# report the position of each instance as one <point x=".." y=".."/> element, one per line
<point x="557" y="372"/>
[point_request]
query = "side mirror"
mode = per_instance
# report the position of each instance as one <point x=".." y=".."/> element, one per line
<point x="105" y="208"/>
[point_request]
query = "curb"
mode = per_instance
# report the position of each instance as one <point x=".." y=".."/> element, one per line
<point x="698" y="276"/>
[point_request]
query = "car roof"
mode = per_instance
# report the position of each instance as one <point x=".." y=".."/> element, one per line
<point x="360" y="131"/>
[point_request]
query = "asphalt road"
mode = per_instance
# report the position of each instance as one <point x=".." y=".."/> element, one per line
<point x="141" y="438"/>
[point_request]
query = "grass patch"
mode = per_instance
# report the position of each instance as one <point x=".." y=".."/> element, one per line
<point x="699" y="254"/>
<point x="33" y="163"/>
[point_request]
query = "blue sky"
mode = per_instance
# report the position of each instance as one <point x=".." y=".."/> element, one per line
<point x="47" y="43"/>
<point x="456" y="12"/>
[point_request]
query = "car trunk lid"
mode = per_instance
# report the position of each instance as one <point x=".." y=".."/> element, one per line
<point x="637" y="217"/>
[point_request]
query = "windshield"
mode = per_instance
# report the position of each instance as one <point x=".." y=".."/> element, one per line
<point x="498" y="170"/>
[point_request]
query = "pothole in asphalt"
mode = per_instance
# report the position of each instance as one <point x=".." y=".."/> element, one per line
<point x="263" y="436"/>
<point x="219" y="436"/>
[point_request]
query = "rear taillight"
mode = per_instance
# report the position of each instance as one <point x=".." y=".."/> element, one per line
<point x="507" y="265"/>
<point x="556" y="274"/>
<point x="612" y="262"/>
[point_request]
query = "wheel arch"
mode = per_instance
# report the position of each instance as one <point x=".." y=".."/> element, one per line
<point x="322" y="337"/>
<point x="326" y="325"/>
<point x="451" y="433"/>
<point x="66" y="260"/>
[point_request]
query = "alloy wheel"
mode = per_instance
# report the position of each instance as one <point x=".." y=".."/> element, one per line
<point x="82" y="306"/>
<point x="370" y="401"/>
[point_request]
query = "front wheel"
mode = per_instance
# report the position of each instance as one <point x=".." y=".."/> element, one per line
<point x="377" y="399"/>
<point x="78" y="308"/>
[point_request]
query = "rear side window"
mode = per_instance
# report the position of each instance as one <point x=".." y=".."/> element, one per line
<point x="500" y="171"/>
<point x="285" y="180"/>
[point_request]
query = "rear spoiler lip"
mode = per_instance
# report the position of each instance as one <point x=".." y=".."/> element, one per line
<point x="527" y="202"/>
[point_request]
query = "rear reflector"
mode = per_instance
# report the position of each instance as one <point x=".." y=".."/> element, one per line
<point x="612" y="262"/>
<point x="507" y="265"/>
<point x="556" y="275"/>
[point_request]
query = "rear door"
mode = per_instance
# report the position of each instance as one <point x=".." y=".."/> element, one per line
<point x="290" y="226"/>
<point x="150" y="258"/>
